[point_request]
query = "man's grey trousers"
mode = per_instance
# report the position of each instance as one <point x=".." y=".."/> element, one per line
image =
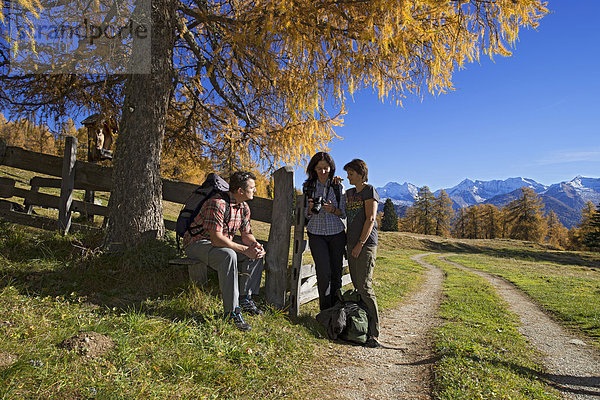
<point x="238" y="274"/>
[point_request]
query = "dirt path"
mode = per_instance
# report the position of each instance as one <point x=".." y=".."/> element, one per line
<point x="402" y="369"/>
<point x="574" y="367"/>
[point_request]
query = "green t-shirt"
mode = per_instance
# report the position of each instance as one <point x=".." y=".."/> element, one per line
<point x="355" y="215"/>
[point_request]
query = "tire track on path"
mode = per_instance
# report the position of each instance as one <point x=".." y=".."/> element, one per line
<point x="402" y="368"/>
<point x="574" y="367"/>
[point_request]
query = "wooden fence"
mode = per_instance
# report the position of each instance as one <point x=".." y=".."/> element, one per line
<point x="284" y="286"/>
<point x="303" y="277"/>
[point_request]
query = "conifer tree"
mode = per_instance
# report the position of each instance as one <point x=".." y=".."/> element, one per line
<point x="389" y="220"/>
<point x="424" y="211"/>
<point x="577" y="234"/>
<point x="253" y="80"/>
<point x="525" y="216"/>
<point x="442" y="213"/>
<point x="408" y="223"/>
<point x="591" y="239"/>
<point x="491" y="221"/>
<point x="556" y="233"/>
<point x="459" y="224"/>
<point x="473" y="223"/>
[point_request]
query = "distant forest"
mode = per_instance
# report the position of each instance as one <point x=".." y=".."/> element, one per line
<point x="522" y="218"/>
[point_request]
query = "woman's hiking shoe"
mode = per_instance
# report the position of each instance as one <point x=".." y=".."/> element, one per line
<point x="372" y="343"/>
<point x="249" y="307"/>
<point x="238" y="320"/>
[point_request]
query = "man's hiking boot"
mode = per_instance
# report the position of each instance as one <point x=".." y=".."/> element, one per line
<point x="249" y="307"/>
<point x="372" y="343"/>
<point x="238" y="320"/>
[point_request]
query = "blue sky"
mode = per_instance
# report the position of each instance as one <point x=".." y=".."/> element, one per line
<point x="535" y="115"/>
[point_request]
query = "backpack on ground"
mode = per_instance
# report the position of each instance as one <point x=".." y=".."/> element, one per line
<point x="213" y="185"/>
<point x="357" y="319"/>
<point x="347" y="319"/>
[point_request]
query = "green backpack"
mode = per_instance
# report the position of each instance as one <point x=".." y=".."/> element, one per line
<point x="357" y="319"/>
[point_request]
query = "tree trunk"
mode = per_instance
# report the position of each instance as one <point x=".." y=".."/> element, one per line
<point x="135" y="205"/>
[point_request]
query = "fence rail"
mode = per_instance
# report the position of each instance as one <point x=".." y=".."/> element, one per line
<point x="303" y="278"/>
<point x="69" y="174"/>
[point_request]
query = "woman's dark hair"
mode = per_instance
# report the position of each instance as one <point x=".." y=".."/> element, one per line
<point x="358" y="166"/>
<point x="239" y="179"/>
<point x="320" y="156"/>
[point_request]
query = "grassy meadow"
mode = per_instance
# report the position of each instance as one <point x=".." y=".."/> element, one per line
<point x="481" y="353"/>
<point x="169" y="340"/>
<point x="571" y="293"/>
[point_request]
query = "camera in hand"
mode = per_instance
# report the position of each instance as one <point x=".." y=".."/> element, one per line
<point x="317" y="204"/>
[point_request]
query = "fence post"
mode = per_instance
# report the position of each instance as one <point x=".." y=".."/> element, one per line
<point x="89" y="198"/>
<point x="2" y="150"/>
<point x="278" y="247"/>
<point x="34" y="189"/>
<point x="67" y="184"/>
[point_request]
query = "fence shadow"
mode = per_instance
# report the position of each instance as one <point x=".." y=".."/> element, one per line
<point x="534" y="254"/>
<point x="579" y="385"/>
<point x="53" y="266"/>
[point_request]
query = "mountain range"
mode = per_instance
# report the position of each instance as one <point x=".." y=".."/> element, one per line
<point x="566" y="199"/>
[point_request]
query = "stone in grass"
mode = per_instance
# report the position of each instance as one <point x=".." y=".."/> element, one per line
<point x="88" y="344"/>
<point x="7" y="359"/>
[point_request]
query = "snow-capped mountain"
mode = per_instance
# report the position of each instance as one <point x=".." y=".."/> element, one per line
<point x="565" y="198"/>
<point x="404" y="194"/>
<point x="586" y="189"/>
<point x="468" y="192"/>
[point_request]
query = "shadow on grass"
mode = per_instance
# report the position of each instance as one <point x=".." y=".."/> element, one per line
<point x="47" y="264"/>
<point x="534" y="254"/>
<point x="311" y="325"/>
<point x="580" y="385"/>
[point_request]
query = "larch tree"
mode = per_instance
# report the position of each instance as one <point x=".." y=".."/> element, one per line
<point x="591" y="239"/>
<point x="492" y="221"/>
<point x="459" y="225"/>
<point x="556" y="233"/>
<point x="526" y="217"/>
<point x="408" y="222"/>
<point x="253" y="80"/>
<point x="424" y="211"/>
<point x="474" y="222"/>
<point x="389" y="219"/>
<point x="442" y="213"/>
<point x="584" y="227"/>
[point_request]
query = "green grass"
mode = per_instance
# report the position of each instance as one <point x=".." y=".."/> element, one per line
<point x="570" y="292"/>
<point x="171" y="341"/>
<point x="481" y="354"/>
<point x="395" y="276"/>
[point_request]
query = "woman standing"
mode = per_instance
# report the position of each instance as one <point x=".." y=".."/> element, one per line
<point x="326" y="235"/>
<point x="361" y="209"/>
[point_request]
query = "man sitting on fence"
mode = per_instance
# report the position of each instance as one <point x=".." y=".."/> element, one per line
<point x="213" y="244"/>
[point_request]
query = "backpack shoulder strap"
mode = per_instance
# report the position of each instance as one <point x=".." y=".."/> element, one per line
<point x="337" y="189"/>
<point x="227" y="216"/>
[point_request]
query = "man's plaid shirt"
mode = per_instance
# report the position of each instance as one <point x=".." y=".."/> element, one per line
<point x="210" y="218"/>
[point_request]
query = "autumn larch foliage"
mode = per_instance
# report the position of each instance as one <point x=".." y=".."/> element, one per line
<point x="255" y="81"/>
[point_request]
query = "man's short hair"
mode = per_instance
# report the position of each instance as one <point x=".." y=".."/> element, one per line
<point x="239" y="179"/>
<point x="358" y="166"/>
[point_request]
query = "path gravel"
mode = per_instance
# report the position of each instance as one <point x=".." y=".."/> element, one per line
<point x="574" y="367"/>
<point x="402" y="369"/>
